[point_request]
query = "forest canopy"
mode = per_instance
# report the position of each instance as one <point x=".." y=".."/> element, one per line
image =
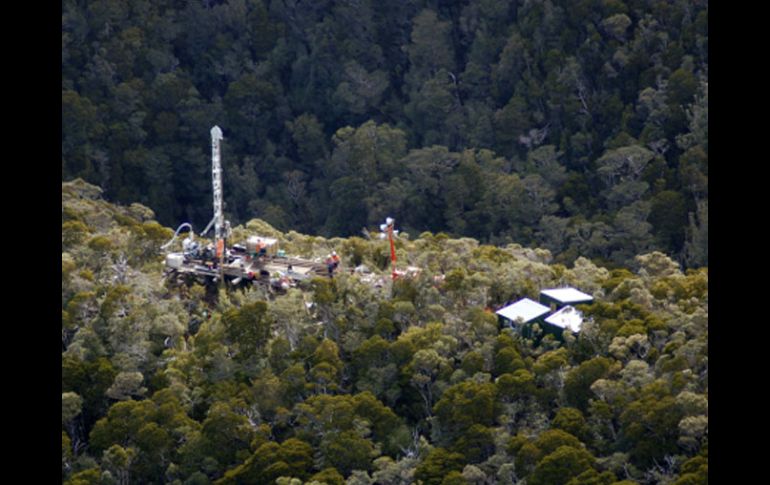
<point x="359" y="379"/>
<point x="519" y="145"/>
<point x="576" y="126"/>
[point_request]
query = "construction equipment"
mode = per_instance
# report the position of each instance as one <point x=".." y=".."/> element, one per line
<point x="258" y="261"/>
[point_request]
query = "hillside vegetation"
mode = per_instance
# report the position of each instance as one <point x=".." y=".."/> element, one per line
<point x="361" y="380"/>
<point x="580" y="126"/>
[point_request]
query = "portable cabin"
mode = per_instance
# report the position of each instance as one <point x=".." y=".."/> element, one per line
<point x="568" y="318"/>
<point x="558" y="298"/>
<point x="523" y="312"/>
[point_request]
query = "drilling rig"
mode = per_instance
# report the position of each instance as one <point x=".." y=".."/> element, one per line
<point x="258" y="261"/>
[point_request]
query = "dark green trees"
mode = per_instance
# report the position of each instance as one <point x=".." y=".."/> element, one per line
<point x="560" y="93"/>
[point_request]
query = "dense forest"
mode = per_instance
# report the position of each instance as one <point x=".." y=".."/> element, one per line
<point x="360" y="380"/>
<point x="577" y="126"/>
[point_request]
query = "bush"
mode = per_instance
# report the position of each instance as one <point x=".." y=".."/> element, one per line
<point x="73" y="232"/>
<point x="100" y="244"/>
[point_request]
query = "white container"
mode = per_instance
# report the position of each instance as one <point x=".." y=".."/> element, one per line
<point x="174" y="260"/>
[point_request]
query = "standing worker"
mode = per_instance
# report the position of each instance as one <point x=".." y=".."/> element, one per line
<point x="262" y="249"/>
<point x="335" y="260"/>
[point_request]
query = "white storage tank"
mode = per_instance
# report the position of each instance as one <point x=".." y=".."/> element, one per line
<point x="174" y="260"/>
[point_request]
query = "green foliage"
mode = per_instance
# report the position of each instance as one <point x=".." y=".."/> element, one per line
<point x="577" y="383"/>
<point x="592" y="477"/>
<point x="694" y="470"/>
<point x="66" y="453"/>
<point x="518" y="385"/>
<point x="454" y="478"/>
<point x="477" y="444"/>
<point x="90" y="381"/>
<point x="507" y="360"/>
<point x="73" y="232"/>
<point x="349" y="430"/>
<point x="466" y="404"/>
<point x="383" y="421"/>
<point x="351" y="378"/>
<point x="437" y="464"/>
<point x="91" y="476"/>
<point x="404" y="290"/>
<point x="541" y="124"/>
<point x="356" y="249"/>
<point x="136" y="435"/>
<point x="472" y="363"/>
<point x="346" y="451"/>
<point x="549" y="441"/>
<point x="247" y="328"/>
<point x="155" y="233"/>
<point x="225" y="432"/>
<point x="561" y="465"/>
<point x="329" y="476"/>
<point x="99" y="244"/>
<point x="572" y="421"/>
<point x="651" y="425"/>
<point x="291" y="458"/>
